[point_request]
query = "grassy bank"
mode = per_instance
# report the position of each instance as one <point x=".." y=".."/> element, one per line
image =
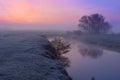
<point x="28" y="56"/>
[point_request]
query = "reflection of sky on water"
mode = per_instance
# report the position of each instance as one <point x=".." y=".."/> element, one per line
<point x="93" y="62"/>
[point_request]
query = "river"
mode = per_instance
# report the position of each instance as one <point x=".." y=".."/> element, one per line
<point x="92" y="63"/>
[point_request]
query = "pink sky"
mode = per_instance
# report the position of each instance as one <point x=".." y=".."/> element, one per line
<point x="54" y="12"/>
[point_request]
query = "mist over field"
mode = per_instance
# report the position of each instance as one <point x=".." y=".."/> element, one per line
<point x="59" y="40"/>
<point x="45" y="27"/>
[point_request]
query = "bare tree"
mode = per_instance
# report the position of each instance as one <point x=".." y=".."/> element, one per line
<point x="94" y="24"/>
<point x="61" y="47"/>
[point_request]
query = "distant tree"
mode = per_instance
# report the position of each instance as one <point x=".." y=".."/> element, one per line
<point x="94" y="24"/>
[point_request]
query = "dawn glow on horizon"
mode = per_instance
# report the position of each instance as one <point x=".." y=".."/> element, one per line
<point x="64" y="12"/>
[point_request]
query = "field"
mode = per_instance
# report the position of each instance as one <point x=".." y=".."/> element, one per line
<point x="28" y="56"/>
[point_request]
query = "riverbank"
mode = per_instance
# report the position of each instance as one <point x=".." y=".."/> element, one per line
<point x="106" y="41"/>
<point x="28" y="56"/>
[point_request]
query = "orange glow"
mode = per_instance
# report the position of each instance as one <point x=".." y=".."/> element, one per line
<point x="21" y="12"/>
<point x="46" y="12"/>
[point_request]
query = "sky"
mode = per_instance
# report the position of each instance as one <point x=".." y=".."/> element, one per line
<point x="55" y="14"/>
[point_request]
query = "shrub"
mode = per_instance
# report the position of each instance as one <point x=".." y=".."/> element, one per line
<point x="61" y="47"/>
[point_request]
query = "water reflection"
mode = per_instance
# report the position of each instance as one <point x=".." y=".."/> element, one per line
<point x="96" y="66"/>
<point x="90" y="51"/>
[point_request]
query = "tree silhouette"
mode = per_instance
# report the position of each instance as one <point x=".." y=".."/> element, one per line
<point x="94" y="24"/>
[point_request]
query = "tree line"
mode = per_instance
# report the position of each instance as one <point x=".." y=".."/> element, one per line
<point x="94" y="24"/>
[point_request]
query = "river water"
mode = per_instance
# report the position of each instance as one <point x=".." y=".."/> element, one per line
<point x="92" y="63"/>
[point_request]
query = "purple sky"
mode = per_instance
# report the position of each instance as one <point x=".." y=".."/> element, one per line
<point x="55" y="14"/>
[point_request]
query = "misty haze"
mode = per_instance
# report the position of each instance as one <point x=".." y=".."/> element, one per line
<point x="59" y="40"/>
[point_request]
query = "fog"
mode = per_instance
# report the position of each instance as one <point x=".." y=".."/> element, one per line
<point x="48" y="27"/>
